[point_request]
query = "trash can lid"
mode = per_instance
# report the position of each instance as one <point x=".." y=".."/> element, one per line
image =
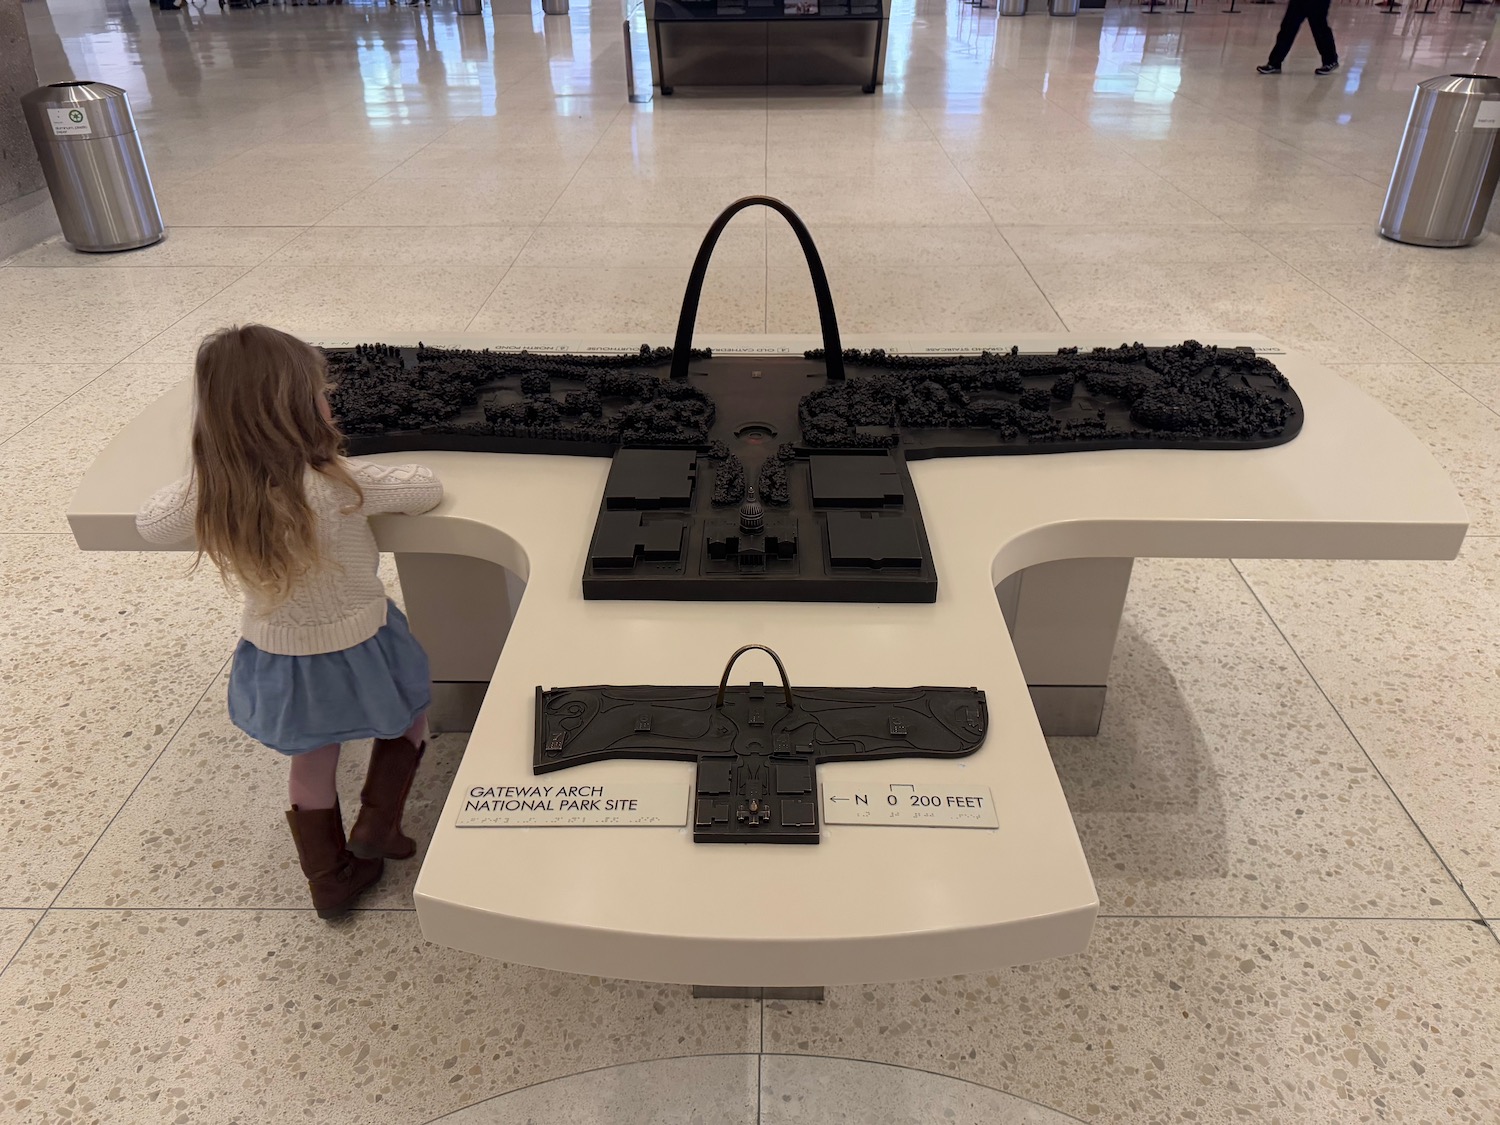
<point x="1462" y="84"/>
<point x="78" y="111"/>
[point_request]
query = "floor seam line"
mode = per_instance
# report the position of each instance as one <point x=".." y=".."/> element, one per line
<point x="598" y="140"/>
<point x="134" y="789"/>
<point x="1243" y="232"/>
<point x="60" y="403"/>
<point x="1024" y="266"/>
<point x="266" y="908"/>
<point x="887" y="1064"/>
<point x="580" y="1073"/>
<point x="1344" y="722"/>
<point x="35" y="924"/>
<point x="1461" y="389"/>
<point x="167" y="328"/>
<point x="995" y="225"/>
<point x="1288" y="918"/>
<point x="1436" y="369"/>
<point x="499" y="281"/>
<point x="261" y="909"/>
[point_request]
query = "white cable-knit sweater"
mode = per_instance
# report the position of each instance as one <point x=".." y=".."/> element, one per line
<point x="343" y="602"/>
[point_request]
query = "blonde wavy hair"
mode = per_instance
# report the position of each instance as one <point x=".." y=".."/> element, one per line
<point x="260" y="421"/>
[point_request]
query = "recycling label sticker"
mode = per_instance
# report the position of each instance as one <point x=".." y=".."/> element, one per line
<point x="69" y="123"/>
<point x="1488" y="116"/>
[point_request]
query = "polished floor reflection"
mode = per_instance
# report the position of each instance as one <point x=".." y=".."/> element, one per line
<point x="1293" y="810"/>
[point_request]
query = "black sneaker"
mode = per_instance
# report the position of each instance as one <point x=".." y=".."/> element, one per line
<point x="1326" y="69"/>
<point x="1268" y="69"/>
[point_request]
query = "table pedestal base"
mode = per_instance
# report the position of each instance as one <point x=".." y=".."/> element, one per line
<point x="1068" y="710"/>
<point x="731" y="992"/>
<point x="455" y="705"/>
<point x="460" y="608"/>
<point x="1063" y="618"/>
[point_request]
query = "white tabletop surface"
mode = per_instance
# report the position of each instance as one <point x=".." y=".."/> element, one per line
<point x="868" y="903"/>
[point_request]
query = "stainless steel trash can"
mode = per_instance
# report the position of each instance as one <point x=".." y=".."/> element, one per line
<point x="96" y="172"/>
<point x="470" y="8"/>
<point x="555" y="7"/>
<point x="1011" y="7"/>
<point x="1449" y="163"/>
<point x="1063" y="7"/>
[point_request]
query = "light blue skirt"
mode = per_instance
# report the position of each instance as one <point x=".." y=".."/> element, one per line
<point x="294" y="704"/>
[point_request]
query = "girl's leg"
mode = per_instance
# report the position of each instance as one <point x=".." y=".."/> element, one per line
<point x="335" y="877"/>
<point x="314" y="780"/>
<point x="393" y="764"/>
<point x="416" y="734"/>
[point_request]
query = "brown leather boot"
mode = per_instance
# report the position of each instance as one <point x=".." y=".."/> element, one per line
<point x="334" y="877"/>
<point x="377" y="831"/>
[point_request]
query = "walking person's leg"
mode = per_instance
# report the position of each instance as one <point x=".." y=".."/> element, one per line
<point x="1317" y="22"/>
<point x="1291" y="23"/>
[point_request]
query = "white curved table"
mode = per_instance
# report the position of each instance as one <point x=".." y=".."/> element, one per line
<point x="868" y="904"/>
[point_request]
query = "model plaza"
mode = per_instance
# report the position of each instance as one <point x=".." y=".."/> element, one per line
<point x="960" y="587"/>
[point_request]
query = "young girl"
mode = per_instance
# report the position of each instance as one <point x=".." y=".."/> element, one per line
<point x="325" y="657"/>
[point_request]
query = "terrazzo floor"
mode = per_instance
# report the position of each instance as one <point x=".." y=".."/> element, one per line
<point x="1293" y="809"/>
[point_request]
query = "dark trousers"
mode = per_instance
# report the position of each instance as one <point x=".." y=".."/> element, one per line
<point x="1315" y="12"/>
